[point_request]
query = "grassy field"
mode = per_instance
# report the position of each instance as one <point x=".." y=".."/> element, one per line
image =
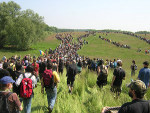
<point x="147" y="36"/>
<point x="86" y="96"/>
<point x="98" y="48"/>
<point x="49" y="42"/>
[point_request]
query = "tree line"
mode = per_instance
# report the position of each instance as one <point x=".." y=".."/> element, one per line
<point x="21" y="28"/>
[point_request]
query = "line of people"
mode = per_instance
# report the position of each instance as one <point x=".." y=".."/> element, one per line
<point x="140" y="37"/>
<point x="23" y="75"/>
<point x="115" y="43"/>
<point x="28" y="71"/>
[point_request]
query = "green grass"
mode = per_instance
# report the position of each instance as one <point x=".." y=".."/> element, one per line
<point x="147" y="36"/>
<point x="43" y="45"/>
<point x="98" y="48"/>
<point x="86" y="96"/>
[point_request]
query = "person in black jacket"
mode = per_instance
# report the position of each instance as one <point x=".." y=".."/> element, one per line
<point x="71" y="72"/>
<point x="138" y="105"/>
<point x="15" y="75"/>
<point x="137" y="90"/>
<point x="61" y="66"/>
<point x="119" y="75"/>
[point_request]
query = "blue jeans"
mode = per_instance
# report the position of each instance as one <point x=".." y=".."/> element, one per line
<point x="27" y="104"/>
<point x="51" y="96"/>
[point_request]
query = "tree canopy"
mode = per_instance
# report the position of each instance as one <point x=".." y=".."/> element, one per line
<point x="21" y="28"/>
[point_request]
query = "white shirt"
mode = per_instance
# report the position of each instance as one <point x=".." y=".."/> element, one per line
<point x="27" y="75"/>
<point x="1" y="65"/>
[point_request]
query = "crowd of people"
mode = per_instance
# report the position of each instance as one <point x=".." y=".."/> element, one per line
<point x="22" y="74"/>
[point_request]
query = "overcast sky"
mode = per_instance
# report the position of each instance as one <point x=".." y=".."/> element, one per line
<point x="129" y="15"/>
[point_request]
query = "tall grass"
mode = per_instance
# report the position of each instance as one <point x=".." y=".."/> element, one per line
<point x="87" y="97"/>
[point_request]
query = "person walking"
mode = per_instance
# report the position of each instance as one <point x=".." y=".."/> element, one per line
<point x="27" y="75"/>
<point x="102" y="74"/>
<point x="133" y="68"/>
<point x="49" y="82"/>
<point x="119" y="75"/>
<point x="144" y="74"/>
<point x="36" y="69"/>
<point x="71" y="72"/>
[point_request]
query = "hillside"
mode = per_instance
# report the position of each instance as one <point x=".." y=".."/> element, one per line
<point x="98" y="48"/>
<point x="86" y="96"/>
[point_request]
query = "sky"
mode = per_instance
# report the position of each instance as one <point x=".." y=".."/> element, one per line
<point x="128" y="15"/>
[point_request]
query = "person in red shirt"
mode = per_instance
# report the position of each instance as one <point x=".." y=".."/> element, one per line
<point x="36" y="68"/>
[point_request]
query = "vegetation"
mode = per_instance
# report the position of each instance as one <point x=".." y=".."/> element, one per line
<point x="115" y="31"/>
<point x="142" y="32"/>
<point x="98" y="48"/>
<point x="86" y="96"/>
<point x="75" y="30"/>
<point x="20" y="29"/>
<point x="26" y="30"/>
<point x="49" y="42"/>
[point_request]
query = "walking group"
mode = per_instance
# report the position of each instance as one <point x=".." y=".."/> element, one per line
<point x="18" y="77"/>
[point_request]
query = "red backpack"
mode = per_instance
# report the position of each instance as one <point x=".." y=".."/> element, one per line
<point x="48" y="79"/>
<point x="26" y="89"/>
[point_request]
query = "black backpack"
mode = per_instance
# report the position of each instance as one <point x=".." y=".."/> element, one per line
<point x="72" y="71"/>
<point x="4" y="104"/>
<point x="103" y="74"/>
<point x="16" y="89"/>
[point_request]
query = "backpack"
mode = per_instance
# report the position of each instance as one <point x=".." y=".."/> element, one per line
<point x="103" y="73"/>
<point x="119" y="77"/>
<point x="135" y="67"/>
<point x="48" y="79"/>
<point x="26" y="88"/>
<point x="16" y="89"/>
<point x="4" y="104"/>
<point x="72" y="71"/>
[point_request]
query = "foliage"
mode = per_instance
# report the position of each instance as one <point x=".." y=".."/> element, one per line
<point x="52" y="29"/>
<point x="20" y="29"/>
<point x="75" y="30"/>
<point x="142" y="32"/>
<point x="115" y="31"/>
<point x="7" y="14"/>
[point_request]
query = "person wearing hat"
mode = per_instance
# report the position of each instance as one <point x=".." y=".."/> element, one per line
<point x="144" y="74"/>
<point x="138" y="105"/>
<point x="13" y="100"/>
<point x="137" y="90"/>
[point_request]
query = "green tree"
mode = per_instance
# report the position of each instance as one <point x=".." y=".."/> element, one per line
<point x="8" y="12"/>
<point x="21" y="29"/>
<point x="28" y="29"/>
